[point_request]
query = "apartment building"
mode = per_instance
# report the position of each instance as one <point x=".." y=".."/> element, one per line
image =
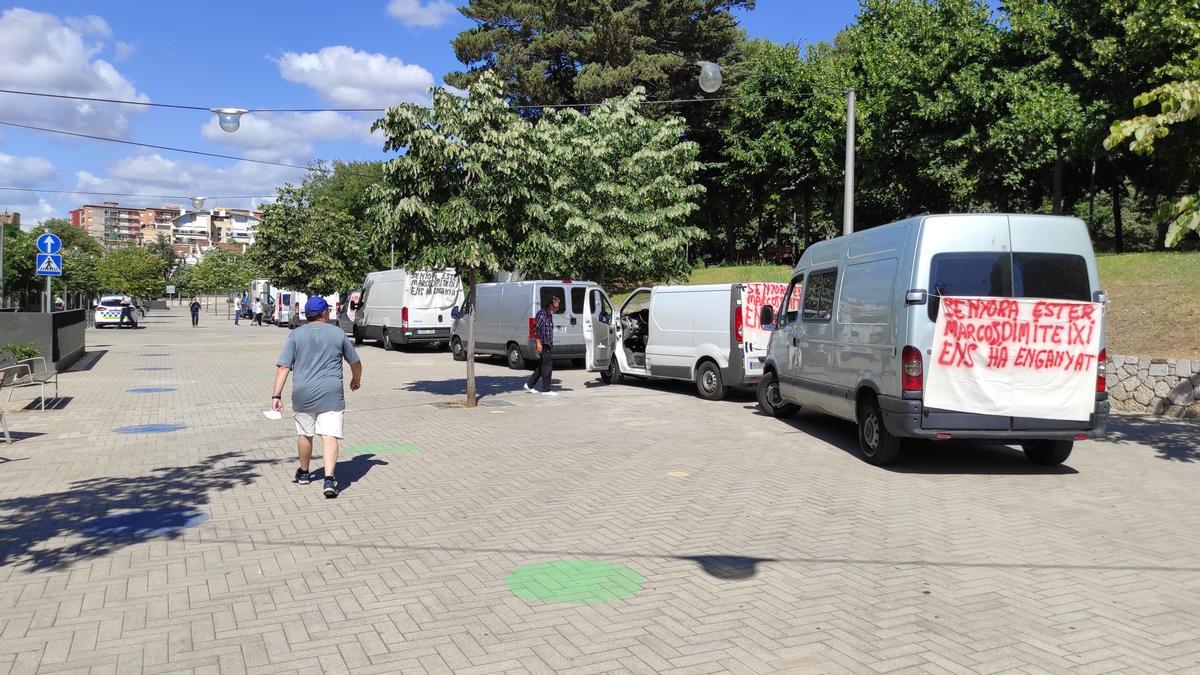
<point x="13" y="218"/>
<point x="114" y="225"/>
<point x="156" y="222"/>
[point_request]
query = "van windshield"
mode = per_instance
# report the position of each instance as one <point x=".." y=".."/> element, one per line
<point x="1055" y="276"/>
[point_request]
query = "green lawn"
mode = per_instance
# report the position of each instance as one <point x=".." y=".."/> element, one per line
<point x="1155" y="308"/>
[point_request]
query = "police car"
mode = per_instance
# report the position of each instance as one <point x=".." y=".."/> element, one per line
<point x="108" y="310"/>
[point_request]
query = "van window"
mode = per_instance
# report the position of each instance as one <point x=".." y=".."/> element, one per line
<point x="818" y="295"/>
<point x="547" y="292"/>
<point x="577" y="294"/>
<point x="867" y="293"/>
<point x="601" y="307"/>
<point x="1055" y="276"/>
<point x="791" y="300"/>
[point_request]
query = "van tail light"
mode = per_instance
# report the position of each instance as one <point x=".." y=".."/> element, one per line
<point x="532" y="329"/>
<point x="738" y="322"/>
<point x="404" y="317"/>
<point x="912" y="371"/>
<point x="1101" y="371"/>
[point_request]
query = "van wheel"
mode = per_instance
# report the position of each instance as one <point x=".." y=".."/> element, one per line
<point x="515" y="360"/>
<point x="708" y="382"/>
<point x="1047" y="453"/>
<point x="387" y="341"/>
<point x="458" y="350"/>
<point x="770" y="400"/>
<point x="612" y="374"/>
<point x="878" y="445"/>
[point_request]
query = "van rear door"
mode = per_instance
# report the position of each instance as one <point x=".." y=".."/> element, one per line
<point x="599" y="336"/>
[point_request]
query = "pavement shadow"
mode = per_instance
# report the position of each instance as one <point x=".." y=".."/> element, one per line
<point x="1172" y="439"/>
<point x="924" y="457"/>
<point x="350" y="472"/>
<point x="727" y="567"/>
<point x="96" y="516"/>
<point x="485" y="385"/>
<point x="88" y="361"/>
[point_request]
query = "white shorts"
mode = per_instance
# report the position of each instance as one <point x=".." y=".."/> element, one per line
<point x="322" y="424"/>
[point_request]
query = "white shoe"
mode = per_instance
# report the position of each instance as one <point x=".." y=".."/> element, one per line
<point x="549" y="393"/>
<point x="526" y="388"/>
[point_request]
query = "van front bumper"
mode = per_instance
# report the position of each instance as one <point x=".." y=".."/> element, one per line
<point x="908" y="418"/>
<point x="421" y="335"/>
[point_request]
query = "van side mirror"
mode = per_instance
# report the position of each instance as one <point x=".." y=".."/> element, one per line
<point x="766" y="317"/>
<point x="455" y="313"/>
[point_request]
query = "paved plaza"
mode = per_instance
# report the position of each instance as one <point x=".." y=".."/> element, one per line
<point x="150" y="525"/>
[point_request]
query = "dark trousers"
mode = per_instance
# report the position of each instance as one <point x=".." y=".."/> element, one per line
<point x="127" y="313"/>
<point x="258" y="318"/>
<point x="545" y="368"/>
<point x="195" y="319"/>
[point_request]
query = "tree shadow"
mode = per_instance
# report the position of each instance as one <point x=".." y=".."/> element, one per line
<point x="350" y="472"/>
<point x="727" y="567"/>
<point x="924" y="457"/>
<point x="1172" y="439"/>
<point x="96" y="516"/>
<point x="485" y="385"/>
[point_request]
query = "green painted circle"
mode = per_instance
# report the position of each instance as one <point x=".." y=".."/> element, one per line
<point x="581" y="582"/>
<point x="384" y="449"/>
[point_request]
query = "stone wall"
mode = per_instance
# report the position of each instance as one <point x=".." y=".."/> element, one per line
<point x="1168" y="387"/>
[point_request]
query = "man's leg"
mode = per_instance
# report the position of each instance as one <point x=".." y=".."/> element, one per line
<point x="329" y="427"/>
<point x="305" y="446"/>
<point x="536" y="375"/>
<point x="305" y="424"/>
<point x="329" y="445"/>
<point x="547" y="367"/>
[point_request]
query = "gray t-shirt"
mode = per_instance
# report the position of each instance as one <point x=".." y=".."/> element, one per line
<point x="314" y="352"/>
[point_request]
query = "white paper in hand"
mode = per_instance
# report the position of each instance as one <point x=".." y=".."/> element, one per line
<point x="272" y="414"/>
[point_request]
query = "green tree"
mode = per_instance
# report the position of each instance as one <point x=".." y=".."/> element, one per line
<point x="81" y="255"/>
<point x="319" y="237"/>
<point x="615" y="191"/>
<point x="221" y="271"/>
<point x="20" y="251"/>
<point x="162" y="248"/>
<point x="132" y="270"/>
<point x="456" y="197"/>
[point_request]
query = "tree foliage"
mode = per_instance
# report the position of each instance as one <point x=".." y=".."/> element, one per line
<point x="319" y="237"/>
<point x="221" y="271"/>
<point x="134" y="271"/>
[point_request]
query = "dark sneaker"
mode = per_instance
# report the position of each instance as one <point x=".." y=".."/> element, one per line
<point x="303" y="477"/>
<point x="331" y="490"/>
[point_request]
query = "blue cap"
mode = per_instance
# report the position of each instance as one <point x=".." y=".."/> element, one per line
<point x="315" y="305"/>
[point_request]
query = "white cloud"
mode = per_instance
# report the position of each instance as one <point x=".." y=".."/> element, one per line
<point x="355" y="79"/>
<point x="153" y="174"/>
<point x="43" y="54"/>
<point x="415" y="13"/>
<point x="122" y="50"/>
<point x="24" y="171"/>
<point x="287" y="137"/>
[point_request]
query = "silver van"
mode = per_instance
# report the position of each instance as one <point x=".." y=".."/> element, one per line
<point x="854" y="332"/>
<point x="503" y="314"/>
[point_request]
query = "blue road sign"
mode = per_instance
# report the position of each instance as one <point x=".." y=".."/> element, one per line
<point x="49" y="265"/>
<point x="49" y="243"/>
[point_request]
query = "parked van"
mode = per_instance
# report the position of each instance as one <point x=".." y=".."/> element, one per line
<point x="347" y="311"/>
<point x="284" y="304"/>
<point x="856" y="332"/>
<point x="503" y="314"/>
<point x="398" y="307"/>
<point x="705" y="334"/>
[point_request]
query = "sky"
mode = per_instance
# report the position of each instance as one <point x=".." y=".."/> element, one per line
<point x="364" y="53"/>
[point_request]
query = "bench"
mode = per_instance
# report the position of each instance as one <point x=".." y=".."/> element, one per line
<point x="32" y="372"/>
<point x="4" y="376"/>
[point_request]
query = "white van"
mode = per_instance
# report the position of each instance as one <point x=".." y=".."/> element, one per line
<point x="398" y="307"/>
<point x="284" y="302"/>
<point x="705" y="334"/>
<point x="855" y="336"/>
<point x="503" y="314"/>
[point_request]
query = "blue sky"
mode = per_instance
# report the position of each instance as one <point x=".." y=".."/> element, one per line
<point x="361" y="53"/>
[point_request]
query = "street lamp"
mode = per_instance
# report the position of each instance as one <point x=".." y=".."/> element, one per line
<point x="710" y="82"/>
<point x="229" y="118"/>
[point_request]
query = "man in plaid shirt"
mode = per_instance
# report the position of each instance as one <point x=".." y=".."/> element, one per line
<point x="543" y="332"/>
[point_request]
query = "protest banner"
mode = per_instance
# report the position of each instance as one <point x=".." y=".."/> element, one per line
<point x="430" y="289"/>
<point x="758" y="295"/>
<point x="1017" y="357"/>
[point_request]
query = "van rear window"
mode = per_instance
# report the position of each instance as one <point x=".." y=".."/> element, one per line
<point x="577" y="294"/>
<point x="1056" y="276"/>
<point x="547" y="292"/>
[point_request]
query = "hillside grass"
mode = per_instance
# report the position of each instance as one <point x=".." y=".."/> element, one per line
<point x="1155" y="308"/>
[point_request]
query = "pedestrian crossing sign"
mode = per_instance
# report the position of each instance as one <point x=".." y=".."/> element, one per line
<point x="49" y="265"/>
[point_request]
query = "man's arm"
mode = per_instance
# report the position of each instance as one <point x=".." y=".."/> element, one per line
<point x="281" y="375"/>
<point x="355" y="375"/>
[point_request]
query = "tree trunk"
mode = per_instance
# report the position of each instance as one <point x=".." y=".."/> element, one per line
<point x="1118" y="227"/>
<point x="1160" y="237"/>
<point x="1057" y="199"/>
<point x="731" y="241"/>
<point x="472" y="401"/>
<point x="1092" y="204"/>
<point x="808" y="231"/>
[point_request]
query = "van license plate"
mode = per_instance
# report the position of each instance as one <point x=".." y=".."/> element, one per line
<point x="424" y="332"/>
<point x="753" y="364"/>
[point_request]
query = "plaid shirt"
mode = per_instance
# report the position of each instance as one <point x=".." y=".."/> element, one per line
<point x="543" y="325"/>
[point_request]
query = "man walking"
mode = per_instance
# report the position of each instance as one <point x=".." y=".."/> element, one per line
<point x="195" y="308"/>
<point x="315" y="352"/>
<point x="543" y="332"/>
<point x="258" y="311"/>
<point x="237" y="310"/>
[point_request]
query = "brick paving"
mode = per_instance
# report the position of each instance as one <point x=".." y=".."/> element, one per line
<point x="765" y="545"/>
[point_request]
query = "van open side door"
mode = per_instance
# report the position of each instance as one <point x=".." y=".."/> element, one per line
<point x="599" y="337"/>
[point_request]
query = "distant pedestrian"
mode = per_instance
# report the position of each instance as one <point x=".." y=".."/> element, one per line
<point x="543" y="325"/>
<point x="258" y="311"/>
<point x="315" y="352"/>
<point x="237" y="310"/>
<point x="294" y="319"/>
<point x="59" y="305"/>
<point x="127" y="313"/>
<point x="195" y="308"/>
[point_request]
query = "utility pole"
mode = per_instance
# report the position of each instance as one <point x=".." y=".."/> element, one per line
<point x="848" y="197"/>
